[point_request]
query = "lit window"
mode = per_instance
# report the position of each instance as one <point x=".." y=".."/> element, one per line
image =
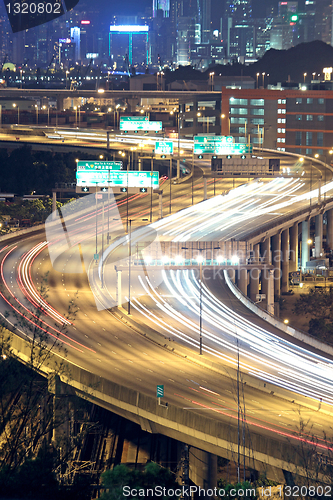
<point x="320" y="118"/>
<point x="309" y="118"/>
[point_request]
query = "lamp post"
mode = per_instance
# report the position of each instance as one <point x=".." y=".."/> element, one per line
<point x="36" y="106"/>
<point x="129" y="265"/>
<point x="263" y="79"/>
<point x="304" y="76"/>
<point x="200" y="261"/>
<point x="18" y="112"/>
<point x="178" y="159"/>
<point x="67" y="73"/>
<point x="75" y="109"/>
<point x="257" y="75"/>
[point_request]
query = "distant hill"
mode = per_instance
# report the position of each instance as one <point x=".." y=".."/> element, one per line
<point x="281" y="65"/>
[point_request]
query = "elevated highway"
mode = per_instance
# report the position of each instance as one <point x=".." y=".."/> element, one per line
<point x="117" y="360"/>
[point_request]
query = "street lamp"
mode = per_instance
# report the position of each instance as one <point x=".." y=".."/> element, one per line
<point x="75" y="108"/>
<point x="263" y="79"/>
<point x="257" y="75"/>
<point x="36" y="106"/>
<point x="129" y="265"/>
<point x="18" y="112"/>
<point x="200" y="261"/>
<point x="178" y="159"/>
<point x="67" y="73"/>
<point x="304" y="76"/>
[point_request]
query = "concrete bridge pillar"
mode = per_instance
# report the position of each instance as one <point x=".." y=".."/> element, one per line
<point x="232" y="275"/>
<point x="132" y="103"/>
<point x="265" y="251"/>
<point x="242" y="281"/>
<point x="319" y="236"/>
<point x="60" y="103"/>
<point x="329" y="230"/>
<point x="265" y="273"/>
<point x="276" y="261"/>
<point x="202" y="468"/>
<point x="293" y="257"/>
<point x="305" y="253"/>
<point x="285" y="261"/>
<point x="255" y="274"/>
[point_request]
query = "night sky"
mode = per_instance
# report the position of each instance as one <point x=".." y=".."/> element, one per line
<point x="133" y="7"/>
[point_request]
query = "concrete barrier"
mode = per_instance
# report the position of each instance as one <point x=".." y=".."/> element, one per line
<point x="22" y="232"/>
<point x="273" y="320"/>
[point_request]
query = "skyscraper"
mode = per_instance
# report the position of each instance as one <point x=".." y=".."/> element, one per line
<point x="206" y="19"/>
<point x="161" y="5"/>
<point x="238" y="29"/>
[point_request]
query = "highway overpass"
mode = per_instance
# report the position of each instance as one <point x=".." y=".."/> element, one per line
<point x="118" y="360"/>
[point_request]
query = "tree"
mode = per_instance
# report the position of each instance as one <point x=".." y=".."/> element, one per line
<point x="153" y="475"/>
<point x="32" y="458"/>
<point x="318" y="304"/>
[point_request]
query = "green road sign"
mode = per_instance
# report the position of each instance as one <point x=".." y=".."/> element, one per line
<point x="160" y="391"/>
<point x="99" y="165"/>
<point x="120" y="178"/>
<point x="134" y="119"/>
<point x="96" y="256"/>
<point x="163" y="147"/>
<point x="139" y="123"/>
<point x="219" y="145"/>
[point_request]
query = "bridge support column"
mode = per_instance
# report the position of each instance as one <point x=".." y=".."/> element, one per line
<point x="132" y="103"/>
<point x="54" y="205"/>
<point x="61" y="410"/>
<point x="108" y="139"/>
<point x="118" y="290"/>
<point x="266" y="278"/>
<point x="232" y="275"/>
<point x="276" y="261"/>
<point x="305" y="253"/>
<point x="329" y="230"/>
<point x="178" y="168"/>
<point x="293" y="262"/>
<point x="242" y="281"/>
<point x="254" y="274"/>
<point x="202" y="468"/>
<point x="285" y="261"/>
<point x="265" y="251"/>
<point x="139" y="164"/>
<point x="60" y="103"/>
<point x="205" y="188"/>
<point x="319" y="236"/>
